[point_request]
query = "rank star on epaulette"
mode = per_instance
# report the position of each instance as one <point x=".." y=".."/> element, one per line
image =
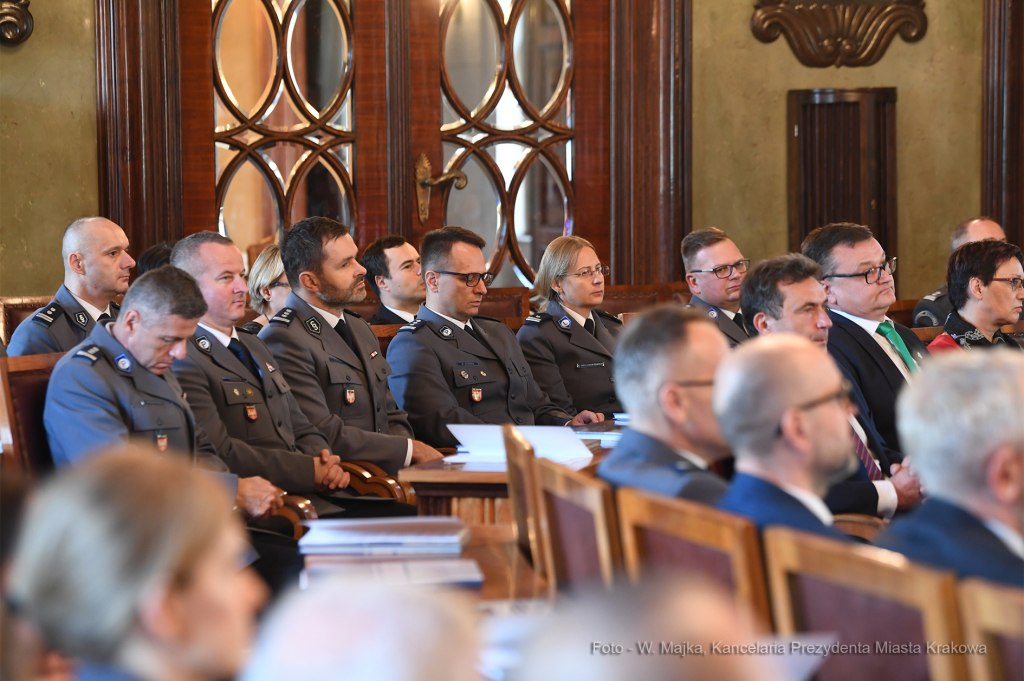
<point x="565" y="322"/>
<point x="81" y="319"/>
<point x="313" y="325"/>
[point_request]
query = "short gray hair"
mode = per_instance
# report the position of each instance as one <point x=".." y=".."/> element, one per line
<point x="756" y="384"/>
<point x="166" y="291"/>
<point x="185" y="255"/>
<point x="645" y="348"/>
<point x="955" y="412"/>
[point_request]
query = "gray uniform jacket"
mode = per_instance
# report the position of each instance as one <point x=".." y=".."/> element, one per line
<point x="733" y="331"/>
<point x="933" y="309"/>
<point x="59" y="326"/>
<point x="443" y="375"/>
<point x="99" y="396"/>
<point x="571" y="365"/>
<point x="641" y="461"/>
<point x="343" y="393"/>
<point x="254" y="422"/>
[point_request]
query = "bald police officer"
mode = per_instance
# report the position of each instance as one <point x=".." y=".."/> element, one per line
<point x="96" y="270"/>
<point x="453" y="366"/>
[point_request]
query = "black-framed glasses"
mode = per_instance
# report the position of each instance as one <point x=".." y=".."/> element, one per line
<point x="725" y="271"/>
<point x="1014" y="282"/>
<point x="692" y="384"/>
<point x="871" y="276"/>
<point x="471" y="278"/>
<point x="603" y="270"/>
<point x="279" y="283"/>
<point x="841" y="395"/>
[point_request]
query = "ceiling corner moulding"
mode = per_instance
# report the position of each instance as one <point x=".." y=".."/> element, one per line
<point x="839" y="32"/>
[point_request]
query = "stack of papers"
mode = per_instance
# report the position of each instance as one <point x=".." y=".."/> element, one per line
<point x="485" y="442"/>
<point x="424" y="535"/>
<point x="458" y="572"/>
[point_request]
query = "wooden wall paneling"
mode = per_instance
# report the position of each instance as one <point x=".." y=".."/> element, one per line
<point x="425" y="124"/>
<point x="401" y="193"/>
<point x="139" y="119"/>
<point x="1002" y="179"/>
<point x="198" y="157"/>
<point x="650" y="172"/>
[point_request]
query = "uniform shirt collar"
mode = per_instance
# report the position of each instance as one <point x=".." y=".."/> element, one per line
<point x="869" y="325"/>
<point x="93" y="311"/>
<point x="456" y="322"/>
<point x="222" y="337"/>
<point x="581" y="320"/>
<point x="813" y="503"/>
<point x="407" y="316"/>
<point x="331" y="319"/>
<point x="727" y="313"/>
<point x="1009" y="536"/>
<point x="693" y="458"/>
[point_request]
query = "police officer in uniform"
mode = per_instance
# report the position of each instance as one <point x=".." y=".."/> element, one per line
<point x="234" y="388"/>
<point x="453" y="366"/>
<point x="331" y="357"/>
<point x="96" y="270"/>
<point x="570" y="345"/>
<point x="714" y="272"/>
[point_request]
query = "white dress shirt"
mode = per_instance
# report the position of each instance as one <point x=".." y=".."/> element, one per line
<point x="887" y="499"/>
<point x="871" y="327"/>
<point x="813" y="503"/>
<point x="93" y="311"/>
<point x="407" y="316"/>
<point x="581" y="320"/>
<point x="224" y="339"/>
<point x="693" y="458"/>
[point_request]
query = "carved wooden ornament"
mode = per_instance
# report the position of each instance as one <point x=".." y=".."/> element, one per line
<point x="839" y="32"/>
<point x="15" y="22"/>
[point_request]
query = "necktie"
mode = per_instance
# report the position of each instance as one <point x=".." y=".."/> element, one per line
<point x="739" y="321"/>
<point x="346" y="334"/>
<point x="889" y="331"/>
<point x="874" y="472"/>
<point x="590" y="327"/>
<point x="240" y="351"/>
<point x="104" y="318"/>
<point x="471" y="331"/>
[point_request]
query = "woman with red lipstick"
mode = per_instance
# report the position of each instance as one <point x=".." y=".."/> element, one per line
<point x="985" y="286"/>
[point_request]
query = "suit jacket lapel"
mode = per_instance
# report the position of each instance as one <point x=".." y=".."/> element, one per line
<point x="226" y="360"/>
<point x="74" y="310"/>
<point x="463" y="340"/>
<point x="727" y="326"/>
<point x="578" y="334"/>
<point x="893" y="375"/>
<point x="333" y="344"/>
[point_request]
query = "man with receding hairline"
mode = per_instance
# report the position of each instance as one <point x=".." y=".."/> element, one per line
<point x="96" y="270"/>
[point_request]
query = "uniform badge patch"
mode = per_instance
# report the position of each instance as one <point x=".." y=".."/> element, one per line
<point x="81" y="319"/>
<point x="483" y="373"/>
<point x="204" y="343"/>
<point x="446" y="331"/>
<point x="477" y="394"/>
<point x="123" y="363"/>
<point x="465" y="374"/>
<point x="313" y="325"/>
<point x="350" y="396"/>
<point x="161" y="442"/>
<point x="270" y="368"/>
<point x="374" y="354"/>
<point x="565" y="322"/>
<point x="250" y="412"/>
<point x="713" y="313"/>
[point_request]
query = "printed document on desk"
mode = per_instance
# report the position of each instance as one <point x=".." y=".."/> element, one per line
<point x="485" y="442"/>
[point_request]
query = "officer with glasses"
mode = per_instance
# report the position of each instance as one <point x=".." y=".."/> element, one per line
<point x="453" y="366"/>
<point x="570" y="345"/>
<point x="714" y="272"/>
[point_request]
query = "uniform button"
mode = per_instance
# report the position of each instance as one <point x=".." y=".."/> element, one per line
<point x="513" y="396"/>
<point x="270" y="393"/>
<point x="279" y="423"/>
<point x="347" y="377"/>
<point x="142" y="403"/>
<point x="519" y="419"/>
<point x="611" y="380"/>
<point x="378" y="430"/>
<point x="378" y="407"/>
<point x="159" y="422"/>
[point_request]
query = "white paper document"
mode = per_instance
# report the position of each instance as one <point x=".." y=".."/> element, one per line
<point x="458" y="572"/>
<point x="485" y="442"/>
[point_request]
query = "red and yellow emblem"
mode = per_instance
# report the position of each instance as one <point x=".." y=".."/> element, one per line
<point x="350" y="396"/>
<point x="250" y="412"/>
<point x="161" y="442"/>
<point x="477" y="394"/>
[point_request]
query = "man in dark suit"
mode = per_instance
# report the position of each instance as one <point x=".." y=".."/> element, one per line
<point x="784" y="408"/>
<point x="714" y="273"/>
<point x="871" y="350"/>
<point x="785" y="295"/>
<point x="664" y="369"/>
<point x="96" y="270"/>
<point x="331" y="357"/>
<point x="454" y="366"/>
<point x="239" y="397"/>
<point x="393" y="274"/>
<point x="961" y="420"/>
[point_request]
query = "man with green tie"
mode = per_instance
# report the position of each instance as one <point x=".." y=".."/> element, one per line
<point x="873" y="352"/>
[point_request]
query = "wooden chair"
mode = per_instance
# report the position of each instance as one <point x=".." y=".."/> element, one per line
<point x="866" y="596"/>
<point x="15" y="310"/>
<point x="619" y="299"/>
<point x="506" y="302"/>
<point x="578" y="529"/>
<point x="522" y="496"/>
<point x="860" y="525"/>
<point x="676" y="292"/>
<point x="902" y="311"/>
<point x="385" y="334"/>
<point x="993" y="616"/>
<point x="628" y="317"/>
<point x="928" y="333"/>
<point x="663" y="533"/>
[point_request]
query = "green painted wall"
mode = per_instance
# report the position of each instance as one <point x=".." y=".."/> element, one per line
<point x="739" y="130"/>
<point x="47" y="143"/>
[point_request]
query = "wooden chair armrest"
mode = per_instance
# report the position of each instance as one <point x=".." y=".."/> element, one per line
<point x="446" y="451"/>
<point x="366" y="478"/>
<point x="296" y="509"/>
<point x="859" y="525"/>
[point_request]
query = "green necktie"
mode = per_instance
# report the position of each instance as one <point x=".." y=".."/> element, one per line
<point x="889" y="331"/>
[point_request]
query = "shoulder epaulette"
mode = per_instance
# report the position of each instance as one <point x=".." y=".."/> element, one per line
<point x="609" y="316"/>
<point x="934" y="295"/>
<point x="354" y="313"/>
<point x="242" y="329"/>
<point x="48" y="314"/>
<point x="412" y="326"/>
<point x="534" y="320"/>
<point x="490" y="319"/>
<point x="90" y="353"/>
<point x="115" y="307"/>
<point x="285" y="316"/>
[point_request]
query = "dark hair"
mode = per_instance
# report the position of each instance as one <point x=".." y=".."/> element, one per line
<point x="376" y="261"/>
<point x="760" y="289"/>
<point x="695" y="242"/>
<point x="820" y="243"/>
<point x="979" y="259"/>
<point x="959" y="237"/>
<point x="166" y="291"/>
<point x="302" y="248"/>
<point x="185" y="254"/>
<point x="153" y="257"/>
<point x="437" y="245"/>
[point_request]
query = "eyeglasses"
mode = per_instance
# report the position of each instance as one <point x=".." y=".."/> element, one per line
<point x="692" y="384"/>
<point x="1014" y="282"/>
<point x="589" y="272"/>
<point x="871" y="276"/>
<point x="841" y="395"/>
<point x="725" y="271"/>
<point x="279" y="283"/>
<point x="471" y="278"/>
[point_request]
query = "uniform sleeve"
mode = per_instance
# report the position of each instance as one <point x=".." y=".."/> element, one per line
<point x="32" y="339"/>
<point x="540" y="355"/>
<point x="351" y="444"/>
<point x="82" y="414"/>
<point x="291" y="471"/>
<point x="307" y="437"/>
<point x="419" y="388"/>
